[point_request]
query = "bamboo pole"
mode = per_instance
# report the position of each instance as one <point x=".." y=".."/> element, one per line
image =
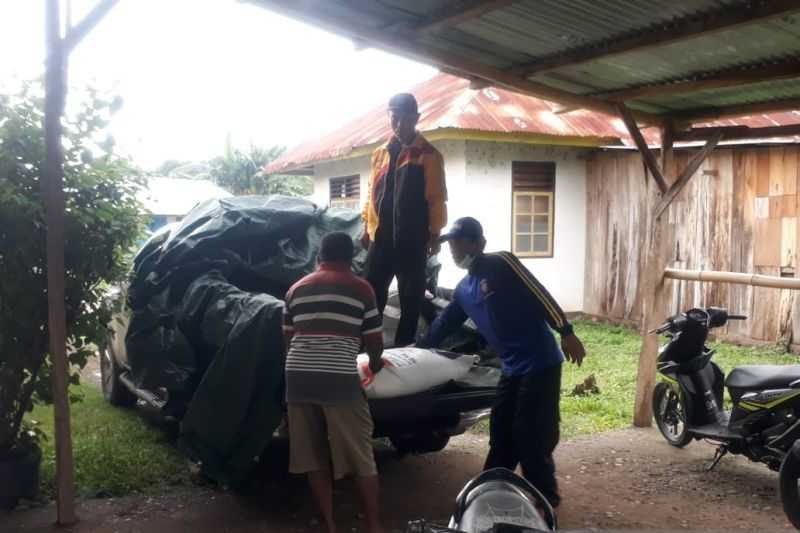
<point x="755" y="280"/>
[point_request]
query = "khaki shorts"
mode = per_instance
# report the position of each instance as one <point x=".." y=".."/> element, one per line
<point x="320" y="435"/>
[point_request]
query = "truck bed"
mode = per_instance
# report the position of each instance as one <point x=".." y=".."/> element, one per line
<point x="444" y="405"/>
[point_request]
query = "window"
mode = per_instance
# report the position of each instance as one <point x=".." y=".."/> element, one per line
<point x="345" y="192"/>
<point x="532" y="208"/>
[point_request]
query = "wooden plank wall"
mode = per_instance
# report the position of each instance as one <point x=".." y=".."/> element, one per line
<point x="738" y="213"/>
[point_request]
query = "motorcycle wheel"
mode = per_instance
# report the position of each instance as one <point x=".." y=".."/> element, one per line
<point x="669" y="410"/>
<point x="790" y="494"/>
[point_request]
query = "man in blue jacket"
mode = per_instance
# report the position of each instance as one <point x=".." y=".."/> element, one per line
<point x="515" y="314"/>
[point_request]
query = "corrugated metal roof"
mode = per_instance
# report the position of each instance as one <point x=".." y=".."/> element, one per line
<point x="447" y="102"/>
<point x="544" y="27"/>
<point x="769" y="42"/>
<point x="759" y="92"/>
<point x="527" y="31"/>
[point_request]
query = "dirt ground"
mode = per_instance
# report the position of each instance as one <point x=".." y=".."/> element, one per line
<point x="627" y="479"/>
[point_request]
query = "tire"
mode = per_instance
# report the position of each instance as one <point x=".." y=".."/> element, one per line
<point x="669" y="410"/>
<point x="790" y="495"/>
<point x="417" y="443"/>
<point x="114" y="391"/>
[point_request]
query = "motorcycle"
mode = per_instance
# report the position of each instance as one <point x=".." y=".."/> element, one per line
<point x="495" y="501"/>
<point x="764" y="422"/>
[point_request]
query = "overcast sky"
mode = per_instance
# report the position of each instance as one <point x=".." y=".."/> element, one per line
<point x="190" y="71"/>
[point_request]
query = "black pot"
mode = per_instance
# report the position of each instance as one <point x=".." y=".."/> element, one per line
<point x="19" y="476"/>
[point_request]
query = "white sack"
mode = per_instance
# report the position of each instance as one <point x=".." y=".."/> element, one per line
<point x="412" y="370"/>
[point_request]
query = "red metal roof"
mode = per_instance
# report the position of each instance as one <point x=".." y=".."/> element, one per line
<point x="447" y="103"/>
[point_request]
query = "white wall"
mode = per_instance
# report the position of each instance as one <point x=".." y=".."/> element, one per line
<point x="487" y="197"/>
<point x="479" y="185"/>
<point x="347" y="167"/>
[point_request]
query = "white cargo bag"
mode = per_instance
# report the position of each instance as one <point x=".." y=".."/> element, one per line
<point x="411" y="370"/>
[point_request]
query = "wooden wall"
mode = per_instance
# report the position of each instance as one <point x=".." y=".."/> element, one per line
<point x="738" y="213"/>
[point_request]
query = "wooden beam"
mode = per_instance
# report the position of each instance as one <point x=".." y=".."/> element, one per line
<point x="647" y="155"/>
<point x="714" y="113"/>
<point x="703" y="134"/>
<point x="667" y="143"/>
<point x="53" y="193"/>
<point x="666" y="33"/>
<point x="731" y="133"/>
<point x="703" y="81"/>
<point x="687" y="173"/>
<point x="477" y="85"/>
<point x="457" y="12"/>
<point x="82" y="28"/>
<point x="310" y="12"/>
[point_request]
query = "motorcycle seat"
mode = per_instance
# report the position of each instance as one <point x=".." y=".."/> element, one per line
<point x="762" y="376"/>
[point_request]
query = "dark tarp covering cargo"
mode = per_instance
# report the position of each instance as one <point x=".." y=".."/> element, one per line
<point x="206" y="303"/>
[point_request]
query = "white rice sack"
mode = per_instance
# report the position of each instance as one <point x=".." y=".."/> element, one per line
<point x="412" y="370"/>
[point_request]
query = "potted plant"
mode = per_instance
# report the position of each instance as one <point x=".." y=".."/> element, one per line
<point x="102" y="223"/>
<point x="19" y="467"/>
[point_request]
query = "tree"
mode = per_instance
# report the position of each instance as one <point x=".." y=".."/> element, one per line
<point x="102" y="224"/>
<point x="241" y="173"/>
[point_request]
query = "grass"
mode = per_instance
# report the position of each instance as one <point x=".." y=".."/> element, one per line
<point x="612" y="355"/>
<point x="116" y="451"/>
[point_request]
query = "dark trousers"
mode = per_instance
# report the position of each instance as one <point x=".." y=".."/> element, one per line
<point x="524" y="428"/>
<point x="407" y="262"/>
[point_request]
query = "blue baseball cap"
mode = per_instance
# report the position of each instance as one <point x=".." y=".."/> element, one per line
<point x="466" y="228"/>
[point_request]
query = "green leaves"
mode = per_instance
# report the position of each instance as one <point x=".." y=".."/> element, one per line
<point x="102" y="223"/>
<point x="241" y="173"/>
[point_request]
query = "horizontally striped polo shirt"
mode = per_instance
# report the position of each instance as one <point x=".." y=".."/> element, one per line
<point x="327" y="312"/>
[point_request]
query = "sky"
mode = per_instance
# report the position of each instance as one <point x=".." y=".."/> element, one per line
<point x="190" y="72"/>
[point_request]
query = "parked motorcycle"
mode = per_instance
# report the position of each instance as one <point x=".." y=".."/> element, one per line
<point x="764" y="422"/>
<point x="496" y="501"/>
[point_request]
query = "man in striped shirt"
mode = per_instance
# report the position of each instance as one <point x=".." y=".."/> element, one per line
<point x="515" y="314"/>
<point x="328" y="314"/>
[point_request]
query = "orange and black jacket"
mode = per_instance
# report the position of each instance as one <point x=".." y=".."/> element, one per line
<point x="420" y="193"/>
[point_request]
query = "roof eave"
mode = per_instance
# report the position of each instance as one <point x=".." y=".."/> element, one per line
<point x="447" y="134"/>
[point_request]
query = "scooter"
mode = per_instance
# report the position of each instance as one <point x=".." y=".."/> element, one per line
<point x="764" y="423"/>
<point x="496" y="501"/>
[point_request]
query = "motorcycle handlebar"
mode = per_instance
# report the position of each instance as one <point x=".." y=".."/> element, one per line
<point x="661" y="329"/>
<point x="676" y="323"/>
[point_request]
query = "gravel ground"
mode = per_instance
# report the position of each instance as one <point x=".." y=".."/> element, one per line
<point x="621" y="480"/>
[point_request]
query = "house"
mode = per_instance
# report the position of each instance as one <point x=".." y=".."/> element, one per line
<point x="511" y="161"/>
<point x="168" y="200"/>
<point x="566" y="192"/>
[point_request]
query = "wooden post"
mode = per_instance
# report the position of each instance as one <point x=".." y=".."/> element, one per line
<point x="53" y="192"/>
<point x="658" y="245"/>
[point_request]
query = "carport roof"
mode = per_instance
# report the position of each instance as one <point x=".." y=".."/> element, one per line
<point x="692" y="60"/>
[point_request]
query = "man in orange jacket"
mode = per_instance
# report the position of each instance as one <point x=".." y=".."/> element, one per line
<point x="404" y="214"/>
